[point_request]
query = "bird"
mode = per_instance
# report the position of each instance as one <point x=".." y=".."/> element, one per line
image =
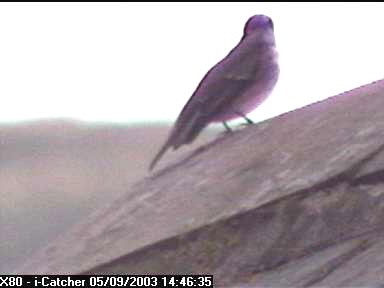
<point x="232" y="88"/>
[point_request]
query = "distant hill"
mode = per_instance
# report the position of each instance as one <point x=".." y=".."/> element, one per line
<point x="54" y="172"/>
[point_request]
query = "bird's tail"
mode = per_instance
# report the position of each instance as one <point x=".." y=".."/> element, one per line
<point x="181" y="134"/>
<point x="160" y="154"/>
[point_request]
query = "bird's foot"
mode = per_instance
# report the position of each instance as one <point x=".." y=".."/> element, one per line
<point x="227" y="129"/>
<point x="246" y="124"/>
<point x="248" y="121"/>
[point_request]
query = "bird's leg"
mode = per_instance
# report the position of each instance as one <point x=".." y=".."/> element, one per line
<point x="249" y="121"/>
<point x="227" y="127"/>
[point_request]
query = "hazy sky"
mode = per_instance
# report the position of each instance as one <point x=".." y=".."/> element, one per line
<point x="123" y="62"/>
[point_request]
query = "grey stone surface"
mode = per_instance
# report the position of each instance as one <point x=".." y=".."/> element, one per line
<point x="297" y="200"/>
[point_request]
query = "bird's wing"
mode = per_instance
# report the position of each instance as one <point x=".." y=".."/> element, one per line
<point x="223" y="83"/>
<point x="214" y="94"/>
<point x="230" y="78"/>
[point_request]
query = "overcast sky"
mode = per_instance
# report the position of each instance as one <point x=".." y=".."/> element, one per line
<point x="130" y="62"/>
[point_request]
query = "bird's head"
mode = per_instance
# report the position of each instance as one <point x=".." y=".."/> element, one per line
<point x="257" y="23"/>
